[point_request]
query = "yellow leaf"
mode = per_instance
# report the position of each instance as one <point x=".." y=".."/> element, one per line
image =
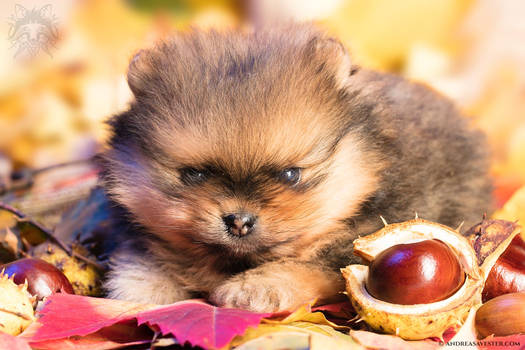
<point x="391" y="342"/>
<point x="301" y="326"/>
<point x="514" y="209"/>
<point x="290" y="336"/>
<point x="304" y="313"/>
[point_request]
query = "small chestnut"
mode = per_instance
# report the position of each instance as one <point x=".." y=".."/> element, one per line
<point x="415" y="273"/>
<point x="43" y="279"/>
<point x="501" y="316"/>
<point x="508" y="274"/>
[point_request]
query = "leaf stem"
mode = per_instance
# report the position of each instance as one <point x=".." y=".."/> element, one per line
<point x="50" y="236"/>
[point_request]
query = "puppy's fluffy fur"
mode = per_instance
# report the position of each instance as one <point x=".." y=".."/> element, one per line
<point x="218" y="122"/>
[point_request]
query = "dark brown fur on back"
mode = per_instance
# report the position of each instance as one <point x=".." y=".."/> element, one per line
<point x="218" y="118"/>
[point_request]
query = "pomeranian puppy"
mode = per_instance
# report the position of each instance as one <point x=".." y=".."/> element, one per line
<point x="249" y="162"/>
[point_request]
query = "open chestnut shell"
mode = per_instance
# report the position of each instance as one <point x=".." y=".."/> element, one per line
<point x="16" y="307"/>
<point x="424" y="320"/>
<point x="43" y="279"/>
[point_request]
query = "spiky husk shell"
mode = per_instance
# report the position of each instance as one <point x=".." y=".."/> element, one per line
<point x="410" y="322"/>
<point x="84" y="278"/>
<point x="414" y="322"/>
<point x="16" y="306"/>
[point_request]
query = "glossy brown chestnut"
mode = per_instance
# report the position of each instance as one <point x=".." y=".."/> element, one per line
<point x="508" y="274"/>
<point x="415" y="273"/>
<point x="43" y="279"/>
<point x="501" y="316"/>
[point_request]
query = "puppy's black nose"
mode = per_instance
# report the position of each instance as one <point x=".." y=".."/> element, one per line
<point x="239" y="224"/>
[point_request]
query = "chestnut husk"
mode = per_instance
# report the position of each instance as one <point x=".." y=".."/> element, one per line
<point x="16" y="306"/>
<point x="85" y="278"/>
<point x="420" y="321"/>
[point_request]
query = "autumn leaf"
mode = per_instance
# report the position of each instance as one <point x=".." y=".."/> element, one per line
<point x="319" y="337"/>
<point x="33" y="234"/>
<point x="372" y="340"/>
<point x="344" y="306"/>
<point x="66" y="315"/>
<point x="339" y="313"/>
<point x="295" y="338"/>
<point x="9" y="245"/>
<point x="199" y="323"/>
<point x="302" y="327"/>
<point x="514" y="208"/>
<point x="305" y="314"/>
<point x="191" y="321"/>
<point x="8" y="341"/>
<point x="280" y="340"/>
<point x="119" y="335"/>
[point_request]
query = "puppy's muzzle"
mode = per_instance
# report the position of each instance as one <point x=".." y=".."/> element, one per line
<point x="239" y="224"/>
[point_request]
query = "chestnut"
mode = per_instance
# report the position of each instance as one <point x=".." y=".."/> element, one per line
<point x="415" y="273"/>
<point x="508" y="274"/>
<point x="501" y="316"/>
<point x="43" y="279"/>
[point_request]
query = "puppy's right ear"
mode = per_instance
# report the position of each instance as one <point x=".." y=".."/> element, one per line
<point x="139" y="72"/>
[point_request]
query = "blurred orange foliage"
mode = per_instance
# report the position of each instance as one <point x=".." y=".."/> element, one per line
<point x="52" y="107"/>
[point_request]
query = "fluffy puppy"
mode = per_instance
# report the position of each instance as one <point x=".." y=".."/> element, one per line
<point x="248" y="162"/>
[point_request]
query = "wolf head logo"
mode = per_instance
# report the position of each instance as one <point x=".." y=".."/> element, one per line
<point x="32" y="30"/>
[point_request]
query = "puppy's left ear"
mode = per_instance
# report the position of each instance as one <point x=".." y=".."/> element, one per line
<point x="140" y="70"/>
<point x="334" y="58"/>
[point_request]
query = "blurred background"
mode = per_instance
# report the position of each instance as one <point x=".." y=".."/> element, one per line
<point x="63" y="66"/>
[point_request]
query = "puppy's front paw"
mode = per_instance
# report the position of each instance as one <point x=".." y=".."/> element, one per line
<point x="260" y="295"/>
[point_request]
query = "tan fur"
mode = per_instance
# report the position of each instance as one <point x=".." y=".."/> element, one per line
<point x="281" y="285"/>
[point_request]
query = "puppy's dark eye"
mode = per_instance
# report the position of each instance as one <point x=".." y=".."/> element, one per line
<point x="290" y="176"/>
<point x="192" y="176"/>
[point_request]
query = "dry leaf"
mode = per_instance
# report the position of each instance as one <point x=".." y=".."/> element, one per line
<point x="305" y="314"/>
<point x="321" y="336"/>
<point x="9" y="245"/>
<point x="303" y="321"/>
<point x="514" y="209"/>
<point x="372" y="340"/>
<point x="299" y="339"/>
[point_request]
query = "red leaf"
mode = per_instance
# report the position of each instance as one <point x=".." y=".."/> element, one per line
<point x="449" y="334"/>
<point x="338" y="313"/>
<point x="190" y="321"/>
<point x="66" y="315"/>
<point x="201" y="324"/>
<point x="11" y="342"/>
<point x="119" y="335"/>
<point x="339" y="307"/>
